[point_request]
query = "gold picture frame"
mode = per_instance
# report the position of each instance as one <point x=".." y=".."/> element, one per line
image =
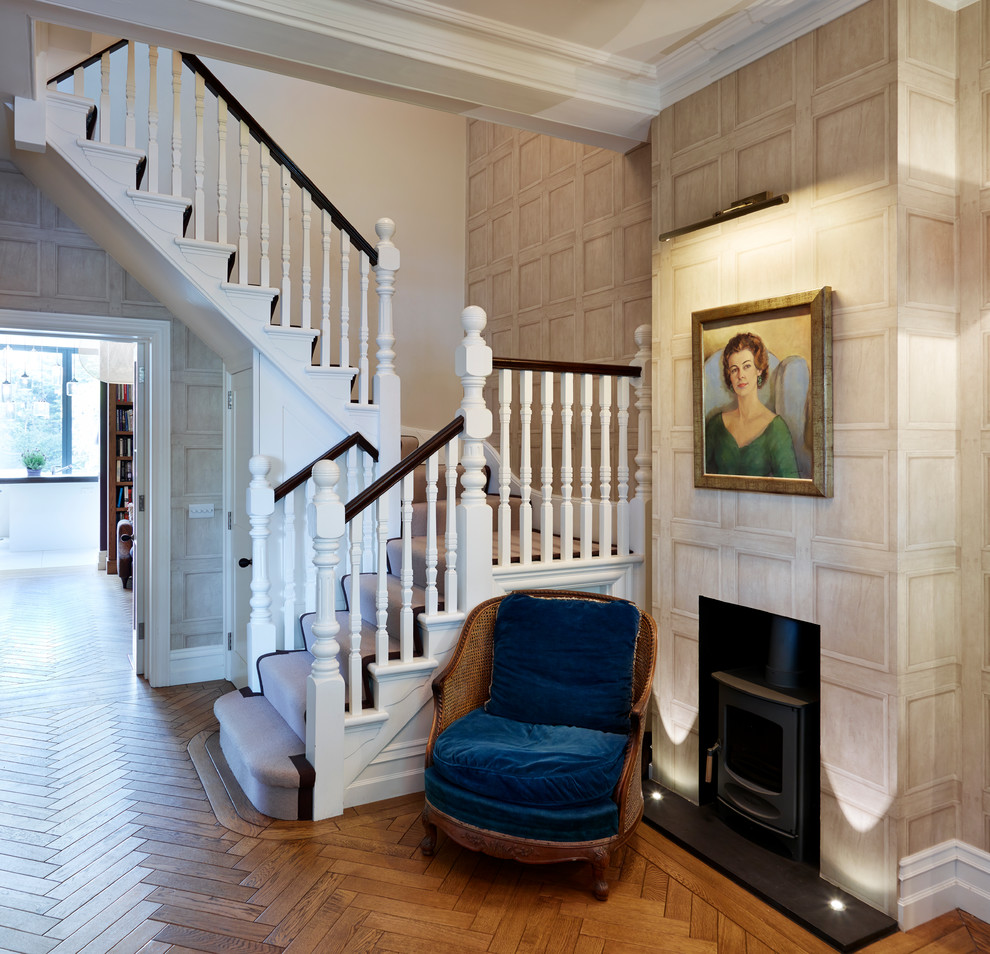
<point x="778" y="352"/>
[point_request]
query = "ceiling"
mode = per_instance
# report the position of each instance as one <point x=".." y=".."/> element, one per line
<point x="595" y="71"/>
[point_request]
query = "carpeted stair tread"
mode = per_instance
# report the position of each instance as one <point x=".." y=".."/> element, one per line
<point x="267" y="757"/>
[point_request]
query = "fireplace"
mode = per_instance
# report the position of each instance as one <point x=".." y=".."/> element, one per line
<point x="759" y="724"/>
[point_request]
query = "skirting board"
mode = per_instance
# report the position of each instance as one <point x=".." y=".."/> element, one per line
<point x="948" y="876"/>
<point x="197" y="664"/>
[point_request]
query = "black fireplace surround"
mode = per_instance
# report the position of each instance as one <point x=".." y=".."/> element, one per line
<point x="759" y="724"/>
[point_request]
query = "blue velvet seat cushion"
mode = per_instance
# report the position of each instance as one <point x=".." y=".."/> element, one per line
<point x="590" y="822"/>
<point x="527" y="763"/>
<point x="564" y="661"/>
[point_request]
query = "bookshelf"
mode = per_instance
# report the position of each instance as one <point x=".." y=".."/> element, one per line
<point x="120" y="469"/>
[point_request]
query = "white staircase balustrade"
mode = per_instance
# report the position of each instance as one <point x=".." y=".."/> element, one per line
<point x="551" y="543"/>
<point x="294" y="496"/>
<point x="184" y="97"/>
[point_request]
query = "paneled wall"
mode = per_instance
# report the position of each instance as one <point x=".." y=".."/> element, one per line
<point x="973" y="157"/>
<point x="558" y="239"/>
<point x="857" y="122"/>
<point x="558" y="255"/>
<point x="49" y="264"/>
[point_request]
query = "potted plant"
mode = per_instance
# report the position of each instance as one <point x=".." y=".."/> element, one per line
<point x="33" y="460"/>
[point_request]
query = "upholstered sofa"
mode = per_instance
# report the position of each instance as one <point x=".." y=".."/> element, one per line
<point x="534" y="753"/>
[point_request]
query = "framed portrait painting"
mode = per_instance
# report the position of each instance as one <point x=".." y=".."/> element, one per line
<point x="763" y="395"/>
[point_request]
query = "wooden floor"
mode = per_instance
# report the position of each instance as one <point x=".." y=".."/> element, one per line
<point x="109" y="841"/>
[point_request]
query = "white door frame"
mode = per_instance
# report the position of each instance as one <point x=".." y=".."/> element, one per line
<point x="154" y="549"/>
<point x="237" y="580"/>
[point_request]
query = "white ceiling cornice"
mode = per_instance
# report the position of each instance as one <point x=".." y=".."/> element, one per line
<point x="453" y="40"/>
<point x="739" y="40"/>
<point x="438" y="54"/>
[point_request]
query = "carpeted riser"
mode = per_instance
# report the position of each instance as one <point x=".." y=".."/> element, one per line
<point x="418" y="547"/>
<point x="283" y="681"/>
<point x="282" y="803"/>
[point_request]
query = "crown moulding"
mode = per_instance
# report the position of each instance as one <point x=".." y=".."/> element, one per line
<point x="424" y="52"/>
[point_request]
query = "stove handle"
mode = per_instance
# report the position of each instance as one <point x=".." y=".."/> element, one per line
<point x="711" y="750"/>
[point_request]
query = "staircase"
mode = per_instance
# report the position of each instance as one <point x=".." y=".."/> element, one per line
<point x="276" y="777"/>
<point x="341" y="649"/>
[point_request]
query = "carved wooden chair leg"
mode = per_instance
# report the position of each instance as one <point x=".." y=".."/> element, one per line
<point x="429" y="842"/>
<point x="599" y="865"/>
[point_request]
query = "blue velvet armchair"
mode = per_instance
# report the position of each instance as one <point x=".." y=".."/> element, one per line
<point x="538" y="724"/>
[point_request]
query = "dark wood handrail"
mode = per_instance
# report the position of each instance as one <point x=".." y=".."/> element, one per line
<point x="572" y="367"/>
<point x="405" y="466"/>
<point x="95" y="58"/>
<point x="352" y="440"/>
<point x="277" y="153"/>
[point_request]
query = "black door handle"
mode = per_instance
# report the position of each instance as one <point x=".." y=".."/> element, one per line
<point x="243" y="561"/>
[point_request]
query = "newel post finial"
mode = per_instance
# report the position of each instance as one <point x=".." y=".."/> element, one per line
<point x="325" y="686"/>
<point x="473" y="365"/>
<point x="388" y="265"/>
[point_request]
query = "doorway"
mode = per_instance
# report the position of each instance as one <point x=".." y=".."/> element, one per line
<point x="55" y="434"/>
<point x="152" y="341"/>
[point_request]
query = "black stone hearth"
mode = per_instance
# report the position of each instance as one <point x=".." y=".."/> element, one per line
<point x="793" y="888"/>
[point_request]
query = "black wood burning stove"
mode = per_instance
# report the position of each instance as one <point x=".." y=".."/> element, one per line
<point x="768" y="759"/>
<point x="760" y="726"/>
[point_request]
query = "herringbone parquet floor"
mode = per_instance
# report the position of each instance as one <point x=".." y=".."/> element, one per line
<point x="109" y="841"/>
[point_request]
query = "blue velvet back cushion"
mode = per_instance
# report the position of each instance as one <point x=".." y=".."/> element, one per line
<point x="564" y="662"/>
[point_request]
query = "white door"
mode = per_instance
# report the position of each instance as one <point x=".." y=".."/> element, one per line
<point x="239" y="448"/>
<point x="142" y="563"/>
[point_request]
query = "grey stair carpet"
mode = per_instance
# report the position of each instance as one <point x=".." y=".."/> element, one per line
<point x="267" y="758"/>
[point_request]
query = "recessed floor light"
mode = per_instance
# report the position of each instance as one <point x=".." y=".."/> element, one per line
<point x="656" y="796"/>
<point x="836" y="905"/>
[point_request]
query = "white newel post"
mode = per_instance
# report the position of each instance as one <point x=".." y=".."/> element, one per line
<point x="386" y="385"/>
<point x="325" y="685"/>
<point x="640" y="513"/>
<point x="473" y="364"/>
<point x="260" y="507"/>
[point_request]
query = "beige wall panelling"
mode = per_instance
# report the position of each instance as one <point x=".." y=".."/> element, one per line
<point x="559" y="247"/>
<point x="864" y="142"/>
<point x="973" y="653"/>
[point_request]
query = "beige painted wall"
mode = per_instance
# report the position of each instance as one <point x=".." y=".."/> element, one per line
<point x="857" y="122"/>
<point x="48" y="264"/>
<point x="374" y="158"/>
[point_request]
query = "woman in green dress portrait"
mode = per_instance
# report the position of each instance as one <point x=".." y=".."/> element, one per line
<point x="748" y="440"/>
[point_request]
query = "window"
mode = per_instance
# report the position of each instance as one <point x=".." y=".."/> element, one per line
<point x="50" y="404"/>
